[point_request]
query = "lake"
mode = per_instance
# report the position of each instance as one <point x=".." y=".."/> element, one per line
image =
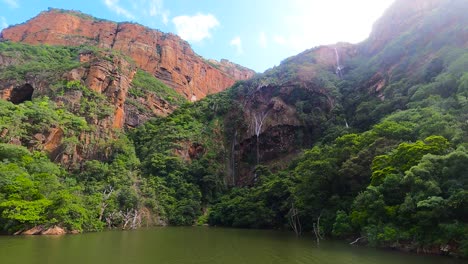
<point x="176" y="245"/>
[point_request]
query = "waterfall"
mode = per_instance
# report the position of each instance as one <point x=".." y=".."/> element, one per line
<point x="339" y="68"/>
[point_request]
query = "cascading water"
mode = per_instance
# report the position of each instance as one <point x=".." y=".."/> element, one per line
<point x="339" y="68"/>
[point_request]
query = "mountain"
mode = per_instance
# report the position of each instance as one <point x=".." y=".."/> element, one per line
<point x="166" y="56"/>
<point x="131" y="68"/>
<point x="353" y="141"/>
<point x="327" y="90"/>
<point x="365" y="142"/>
<point x="71" y="85"/>
<point x="420" y="17"/>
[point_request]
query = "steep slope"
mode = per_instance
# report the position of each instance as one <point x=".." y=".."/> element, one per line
<point x="428" y="36"/>
<point x="386" y="120"/>
<point x="95" y="60"/>
<point x="71" y="103"/>
<point x="65" y="159"/>
<point x="265" y="120"/>
<point x="416" y="16"/>
<point x="166" y="56"/>
<point x="91" y="84"/>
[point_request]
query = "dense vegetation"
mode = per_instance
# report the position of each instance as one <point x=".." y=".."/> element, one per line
<point x="182" y="188"/>
<point x="37" y="60"/>
<point x="35" y="191"/>
<point x="144" y="82"/>
<point x="395" y="175"/>
<point x="103" y="190"/>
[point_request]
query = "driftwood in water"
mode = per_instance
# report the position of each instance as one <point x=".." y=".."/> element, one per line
<point x="357" y="240"/>
<point x="316" y="227"/>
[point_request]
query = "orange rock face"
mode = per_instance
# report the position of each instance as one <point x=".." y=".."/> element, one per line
<point x="54" y="139"/>
<point x="166" y="56"/>
<point x="111" y="78"/>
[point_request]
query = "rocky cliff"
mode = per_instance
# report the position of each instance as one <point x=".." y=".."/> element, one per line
<point x="286" y="109"/>
<point x="95" y="89"/>
<point x="328" y="90"/>
<point x="166" y="56"/>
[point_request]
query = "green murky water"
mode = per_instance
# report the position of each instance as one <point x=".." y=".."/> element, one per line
<point x="195" y="245"/>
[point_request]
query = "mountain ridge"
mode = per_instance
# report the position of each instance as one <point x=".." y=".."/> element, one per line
<point x="166" y="56"/>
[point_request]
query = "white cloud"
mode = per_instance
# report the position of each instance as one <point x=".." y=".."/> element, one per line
<point x="262" y="40"/>
<point x="3" y="23"/>
<point x="115" y="7"/>
<point x="279" y="40"/>
<point x="195" y="28"/>
<point x="12" y="3"/>
<point x="237" y="43"/>
<point x="165" y="18"/>
<point x="156" y="8"/>
<point x="146" y="11"/>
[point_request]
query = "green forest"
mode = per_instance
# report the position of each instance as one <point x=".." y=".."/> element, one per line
<point x="388" y="167"/>
<point x="400" y="181"/>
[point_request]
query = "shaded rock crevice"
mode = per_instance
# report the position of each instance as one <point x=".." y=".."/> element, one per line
<point x="117" y="30"/>
<point x="21" y="94"/>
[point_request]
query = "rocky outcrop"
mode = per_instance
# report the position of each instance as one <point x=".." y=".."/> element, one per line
<point x="54" y="139"/>
<point x="97" y="90"/>
<point x="48" y="231"/>
<point x="106" y="75"/>
<point x="310" y="63"/>
<point x="166" y="56"/>
<point x="274" y="129"/>
<point x="54" y="231"/>
<point x="139" y="109"/>
<point x="234" y="70"/>
<point x="109" y="77"/>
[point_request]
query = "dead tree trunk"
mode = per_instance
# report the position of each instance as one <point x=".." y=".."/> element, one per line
<point x="316" y="227"/>
<point x="105" y="196"/>
<point x="112" y="218"/>
<point x="126" y="217"/>
<point x="136" y="219"/>
<point x="131" y="219"/>
<point x="294" y="220"/>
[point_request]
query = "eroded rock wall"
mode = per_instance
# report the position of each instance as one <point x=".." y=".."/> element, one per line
<point x="166" y="56"/>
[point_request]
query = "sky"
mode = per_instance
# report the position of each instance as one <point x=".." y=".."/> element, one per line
<point x="258" y="34"/>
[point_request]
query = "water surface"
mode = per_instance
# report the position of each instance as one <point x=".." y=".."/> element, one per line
<point x="177" y="245"/>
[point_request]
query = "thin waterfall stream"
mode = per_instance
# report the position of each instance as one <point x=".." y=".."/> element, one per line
<point x="339" y="68"/>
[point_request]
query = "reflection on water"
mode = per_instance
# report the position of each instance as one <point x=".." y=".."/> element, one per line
<point x="176" y="245"/>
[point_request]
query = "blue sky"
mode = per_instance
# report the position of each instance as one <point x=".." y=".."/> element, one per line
<point x="258" y="34"/>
